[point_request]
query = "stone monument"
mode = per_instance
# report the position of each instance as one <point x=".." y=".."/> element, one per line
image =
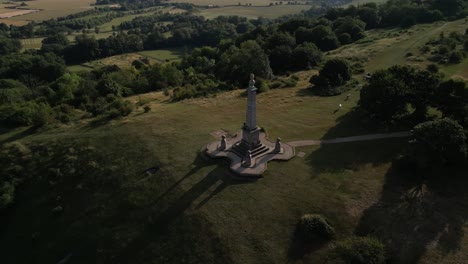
<point x="249" y="150"/>
<point x="250" y="131"/>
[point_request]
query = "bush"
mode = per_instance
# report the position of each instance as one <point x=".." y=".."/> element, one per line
<point x="147" y="108"/>
<point x="358" y="250"/>
<point x="119" y="108"/>
<point x="314" y="227"/>
<point x="438" y="142"/>
<point x="262" y="85"/>
<point x="433" y="68"/>
<point x="455" y="57"/>
<point x="7" y="191"/>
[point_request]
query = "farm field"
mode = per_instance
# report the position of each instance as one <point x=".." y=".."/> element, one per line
<point x="252" y="12"/>
<point x="224" y="2"/>
<point x="115" y="22"/>
<point x="51" y="9"/>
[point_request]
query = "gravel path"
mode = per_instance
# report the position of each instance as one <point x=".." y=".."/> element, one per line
<point x="302" y="143"/>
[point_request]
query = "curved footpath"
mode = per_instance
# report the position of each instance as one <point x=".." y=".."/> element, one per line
<point x="303" y="143"/>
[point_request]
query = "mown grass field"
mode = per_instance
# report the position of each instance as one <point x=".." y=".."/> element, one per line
<point x="194" y="210"/>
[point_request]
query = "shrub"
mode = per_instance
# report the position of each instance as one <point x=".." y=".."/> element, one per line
<point x="433" y="68"/>
<point x="455" y="57"/>
<point x="358" y="250"/>
<point x="147" y="108"/>
<point x="314" y="227"/>
<point x="7" y="191"/>
<point x="438" y="142"/>
<point x="262" y="85"/>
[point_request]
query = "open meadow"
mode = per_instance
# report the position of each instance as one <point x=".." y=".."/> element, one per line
<point x="252" y="12"/>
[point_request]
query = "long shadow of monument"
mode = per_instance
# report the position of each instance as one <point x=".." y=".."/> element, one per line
<point x="164" y="221"/>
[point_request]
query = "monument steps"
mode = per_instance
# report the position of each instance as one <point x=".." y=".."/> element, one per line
<point x="241" y="150"/>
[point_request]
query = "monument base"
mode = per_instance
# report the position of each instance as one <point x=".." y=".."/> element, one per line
<point x="261" y="154"/>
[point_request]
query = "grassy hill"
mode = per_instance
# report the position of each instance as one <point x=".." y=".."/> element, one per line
<point x="135" y="190"/>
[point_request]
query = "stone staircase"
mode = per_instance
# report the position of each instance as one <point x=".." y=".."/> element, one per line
<point x="241" y="150"/>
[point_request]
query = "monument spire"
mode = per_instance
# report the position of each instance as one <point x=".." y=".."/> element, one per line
<point x="251" y="115"/>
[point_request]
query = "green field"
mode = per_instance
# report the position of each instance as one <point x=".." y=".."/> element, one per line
<point x="125" y="60"/>
<point x="253" y="12"/>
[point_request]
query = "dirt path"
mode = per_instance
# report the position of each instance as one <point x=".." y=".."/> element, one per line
<point x="302" y="143"/>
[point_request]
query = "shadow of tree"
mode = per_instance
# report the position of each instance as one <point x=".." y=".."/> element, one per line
<point x="413" y="215"/>
<point x="299" y="248"/>
<point x="17" y="136"/>
<point x="330" y="158"/>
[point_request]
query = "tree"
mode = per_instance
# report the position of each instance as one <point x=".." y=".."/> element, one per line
<point x="451" y="98"/>
<point x="281" y="58"/>
<point x="390" y="91"/>
<point x="306" y="55"/>
<point x="336" y="72"/>
<point x="370" y="16"/>
<point x="280" y="39"/>
<point x="385" y="96"/>
<point x="8" y="45"/>
<point x="439" y="142"/>
<point x="58" y="38"/>
<point x="324" y="38"/>
<point x="238" y="62"/>
<point x="354" y="27"/>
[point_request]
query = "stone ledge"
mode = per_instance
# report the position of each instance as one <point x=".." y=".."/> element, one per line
<point x="259" y="164"/>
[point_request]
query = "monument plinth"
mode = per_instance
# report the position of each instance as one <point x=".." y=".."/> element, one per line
<point x="250" y="150"/>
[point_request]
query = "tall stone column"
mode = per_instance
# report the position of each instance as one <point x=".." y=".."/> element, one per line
<point x="250" y="131"/>
<point x="251" y="115"/>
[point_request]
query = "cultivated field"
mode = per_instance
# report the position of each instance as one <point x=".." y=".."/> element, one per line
<point x="253" y="12"/>
<point x="17" y="12"/>
<point x="51" y="9"/>
<point x="225" y="2"/>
